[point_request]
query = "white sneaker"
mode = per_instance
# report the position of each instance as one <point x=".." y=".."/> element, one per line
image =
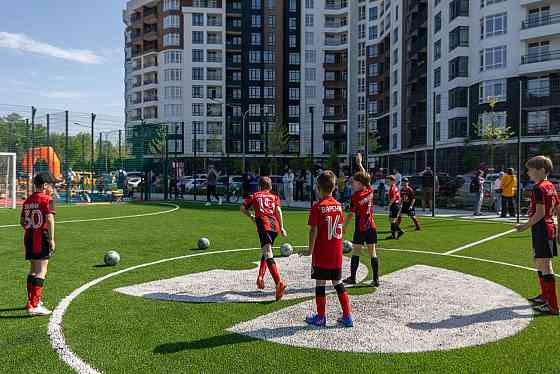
<point x="40" y="310"/>
<point x="208" y="204"/>
<point x="220" y="201"/>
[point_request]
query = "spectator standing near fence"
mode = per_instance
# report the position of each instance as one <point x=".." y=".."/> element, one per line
<point x="477" y="189"/>
<point x="427" y="188"/>
<point x="509" y="187"/>
<point x="300" y="181"/>
<point x="288" y="182"/>
<point x="498" y="193"/>
<point x="212" y="183"/>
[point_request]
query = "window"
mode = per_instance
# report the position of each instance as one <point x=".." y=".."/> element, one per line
<point x="214" y="145"/>
<point x="214" y="74"/>
<point x="173" y="92"/>
<point x="254" y="57"/>
<point x="395" y="139"/>
<point x="293" y="93"/>
<point x="214" y="55"/>
<point x="173" y="75"/>
<point x="270" y="4"/>
<point x="294" y="59"/>
<point x="538" y="122"/>
<point x="236" y="93"/>
<point x="171" y="5"/>
<point x="493" y="58"/>
<point x="493" y="25"/>
<point x="294" y="75"/>
<point x="437" y="77"/>
<point x="310" y="92"/>
<point x="395" y="35"/>
<point x="308" y="4"/>
<point x="496" y="89"/>
<point x="438" y="130"/>
<point x="256" y="38"/>
<point x="459" y="67"/>
<point x="395" y="98"/>
<point x="310" y="56"/>
<point x="437" y="50"/>
<point x="236" y="76"/>
<point x="173" y="57"/>
<point x="198" y="19"/>
<point x="269" y="109"/>
<point x="293" y="110"/>
<point x="457" y="127"/>
<point x="538" y="87"/>
<point x="255" y="74"/>
<point x="293" y="129"/>
<point x="292" y="41"/>
<point x="459" y="37"/>
<point x="171" y="40"/>
<point x="292" y="23"/>
<point x="197" y="109"/>
<point x="214" y="128"/>
<point x="293" y="5"/>
<point x="438" y="104"/>
<point x="372" y="32"/>
<point x="310" y="74"/>
<point x="395" y="56"/>
<point x="361" y="13"/>
<point x="254" y="109"/>
<point x="214" y="37"/>
<point x="268" y="57"/>
<point x="197" y="92"/>
<point x="269" y="92"/>
<point x="198" y="127"/>
<point x="254" y="92"/>
<point x="256" y="4"/>
<point x="171" y="22"/>
<point x="198" y="145"/>
<point x="214" y="20"/>
<point x="309" y="36"/>
<point x="458" y="8"/>
<point x="269" y="74"/>
<point x="271" y="21"/>
<point x="255" y="145"/>
<point x="197" y="37"/>
<point x="197" y="55"/>
<point x="255" y="20"/>
<point x="458" y="97"/>
<point x="309" y="20"/>
<point x="372" y="51"/>
<point x="495" y="119"/>
<point x="437" y="22"/>
<point x="197" y="74"/>
<point x="173" y="110"/>
<point x="489" y="2"/>
<point x="373" y="13"/>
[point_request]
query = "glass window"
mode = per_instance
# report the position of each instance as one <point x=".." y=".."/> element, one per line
<point x="493" y="58"/>
<point x="198" y="19"/>
<point x="459" y="37"/>
<point x="496" y="89"/>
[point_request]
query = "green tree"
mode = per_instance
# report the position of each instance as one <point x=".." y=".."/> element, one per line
<point x="277" y="142"/>
<point x="332" y="162"/>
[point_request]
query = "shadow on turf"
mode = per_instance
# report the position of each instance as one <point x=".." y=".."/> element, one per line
<point x="456" y="322"/>
<point x="212" y="342"/>
<point x="101" y="266"/>
<point x="13" y="316"/>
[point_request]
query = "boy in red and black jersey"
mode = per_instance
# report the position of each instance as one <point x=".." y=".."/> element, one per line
<point x="394" y="207"/>
<point x="37" y="219"/>
<point x="325" y="245"/>
<point x="408" y="196"/>
<point x="269" y="221"/>
<point x="365" y="231"/>
<point x="544" y="202"/>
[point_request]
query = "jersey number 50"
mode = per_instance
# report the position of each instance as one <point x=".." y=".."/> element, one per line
<point x="33" y="219"/>
<point x="335" y="228"/>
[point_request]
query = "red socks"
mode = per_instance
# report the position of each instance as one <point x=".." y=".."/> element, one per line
<point x="549" y="294"/>
<point x="273" y="270"/>
<point x="320" y="300"/>
<point x="541" y="282"/>
<point x="36" y="291"/>
<point x="344" y="299"/>
<point x="29" y="289"/>
<point x="262" y="268"/>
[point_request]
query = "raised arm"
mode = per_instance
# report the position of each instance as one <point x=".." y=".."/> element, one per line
<point x="359" y="163"/>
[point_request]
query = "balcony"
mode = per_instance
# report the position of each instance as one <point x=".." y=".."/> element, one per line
<point x="137" y="84"/>
<point x="136" y="18"/>
<point x="150" y="79"/>
<point x="540" y="26"/>
<point x="151" y="33"/>
<point x="148" y="63"/>
<point x="150" y="15"/>
<point x="150" y="99"/>
<point x="540" y="56"/>
<point x="336" y="5"/>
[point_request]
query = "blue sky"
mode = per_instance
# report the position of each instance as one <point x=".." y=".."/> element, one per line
<point x="63" y="54"/>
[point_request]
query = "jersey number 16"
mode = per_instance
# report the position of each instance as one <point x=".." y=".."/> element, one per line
<point x="335" y="228"/>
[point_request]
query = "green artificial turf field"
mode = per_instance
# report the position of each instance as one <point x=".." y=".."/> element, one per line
<point x="116" y="333"/>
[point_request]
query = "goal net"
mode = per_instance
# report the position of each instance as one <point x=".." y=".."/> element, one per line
<point x="7" y="180"/>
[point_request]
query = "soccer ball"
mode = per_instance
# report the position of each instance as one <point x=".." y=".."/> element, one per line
<point x="203" y="243"/>
<point x="286" y="250"/>
<point x="347" y="246"/>
<point x="111" y="258"/>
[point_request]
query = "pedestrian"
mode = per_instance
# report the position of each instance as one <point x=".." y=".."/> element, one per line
<point x="477" y="190"/>
<point x="381" y="191"/>
<point x="509" y="188"/>
<point x="427" y="188"/>
<point x="288" y="182"/>
<point x="211" y="185"/>
<point x="309" y="184"/>
<point x="498" y="193"/>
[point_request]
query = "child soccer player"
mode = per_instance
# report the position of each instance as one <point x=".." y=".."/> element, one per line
<point x="544" y="200"/>
<point x="365" y="232"/>
<point x="269" y="221"/>
<point x="394" y="207"/>
<point x="325" y="245"/>
<point x="37" y="219"/>
<point x="408" y="199"/>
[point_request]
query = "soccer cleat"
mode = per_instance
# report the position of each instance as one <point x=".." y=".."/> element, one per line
<point x="345" y="321"/>
<point x="374" y="283"/>
<point x="280" y="287"/>
<point x="39" y="310"/>
<point x="349" y="280"/>
<point x="537" y="300"/>
<point x="316" y="320"/>
<point x="399" y="234"/>
<point x="546" y="309"/>
<point x="418" y="229"/>
<point x="260" y="283"/>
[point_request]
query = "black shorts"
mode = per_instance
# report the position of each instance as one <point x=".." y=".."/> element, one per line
<point x="326" y="274"/>
<point x="365" y="237"/>
<point x="394" y="210"/>
<point x="45" y="251"/>
<point x="543" y="247"/>
<point x="265" y="236"/>
<point x="408" y="210"/>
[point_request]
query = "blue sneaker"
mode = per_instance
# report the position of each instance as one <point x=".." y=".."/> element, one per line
<point x="345" y="321"/>
<point x="316" y="320"/>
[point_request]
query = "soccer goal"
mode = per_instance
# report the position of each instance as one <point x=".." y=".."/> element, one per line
<point x="7" y="180"/>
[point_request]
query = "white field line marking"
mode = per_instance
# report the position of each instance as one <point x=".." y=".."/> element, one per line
<point x="474" y="244"/>
<point x="175" y="207"/>
<point x="56" y="333"/>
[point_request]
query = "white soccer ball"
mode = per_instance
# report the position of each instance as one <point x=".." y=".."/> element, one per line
<point x="203" y="243"/>
<point x="347" y="246"/>
<point x="111" y="258"/>
<point x="286" y="250"/>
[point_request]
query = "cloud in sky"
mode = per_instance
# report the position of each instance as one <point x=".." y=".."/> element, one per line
<point x="24" y="43"/>
<point x="54" y="94"/>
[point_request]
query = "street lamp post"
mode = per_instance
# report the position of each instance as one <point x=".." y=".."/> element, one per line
<point x="312" y="192"/>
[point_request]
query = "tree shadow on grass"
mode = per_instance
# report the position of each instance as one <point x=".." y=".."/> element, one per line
<point x="457" y="322"/>
<point x="212" y="342"/>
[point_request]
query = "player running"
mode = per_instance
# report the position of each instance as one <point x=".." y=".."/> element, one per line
<point x="325" y="246"/>
<point x="394" y="208"/>
<point x="37" y="219"/>
<point x="365" y="232"/>
<point x="408" y="196"/>
<point x="269" y="221"/>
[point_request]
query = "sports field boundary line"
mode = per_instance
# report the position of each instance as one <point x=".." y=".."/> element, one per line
<point x="478" y="242"/>
<point x="175" y="207"/>
<point x="55" y="326"/>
